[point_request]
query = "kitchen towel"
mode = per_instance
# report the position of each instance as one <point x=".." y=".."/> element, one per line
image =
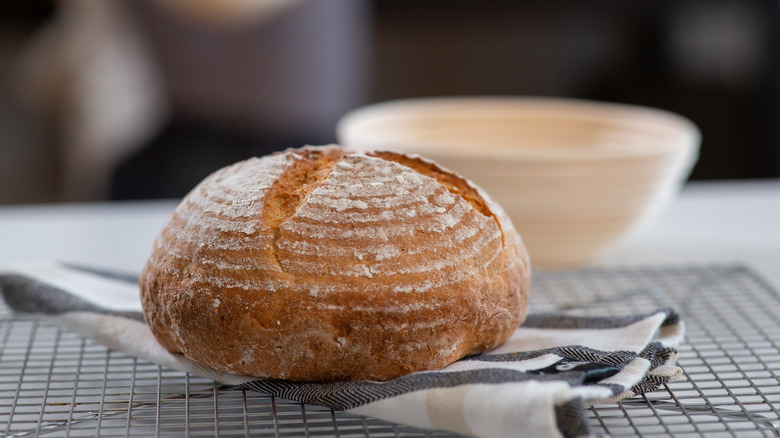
<point x="538" y="383"/>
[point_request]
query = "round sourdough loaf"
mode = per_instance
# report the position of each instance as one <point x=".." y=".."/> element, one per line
<point x="324" y="264"/>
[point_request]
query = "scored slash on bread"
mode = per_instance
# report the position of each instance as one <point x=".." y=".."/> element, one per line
<point x="320" y="263"/>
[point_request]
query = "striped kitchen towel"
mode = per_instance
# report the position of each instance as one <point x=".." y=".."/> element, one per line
<point x="538" y="383"/>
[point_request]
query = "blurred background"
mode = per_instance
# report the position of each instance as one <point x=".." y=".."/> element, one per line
<point x="121" y="99"/>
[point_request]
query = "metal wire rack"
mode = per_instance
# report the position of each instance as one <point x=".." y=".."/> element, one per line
<point x="54" y="383"/>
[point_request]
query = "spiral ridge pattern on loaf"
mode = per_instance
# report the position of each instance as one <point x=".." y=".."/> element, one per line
<point x="322" y="264"/>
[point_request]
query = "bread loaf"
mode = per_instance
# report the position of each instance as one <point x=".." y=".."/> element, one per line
<point x="321" y="264"/>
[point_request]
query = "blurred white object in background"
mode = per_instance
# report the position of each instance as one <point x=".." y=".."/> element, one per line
<point x="91" y="73"/>
<point x="576" y="177"/>
<point x="110" y="76"/>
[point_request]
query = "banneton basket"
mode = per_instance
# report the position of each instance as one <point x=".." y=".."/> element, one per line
<point x="576" y="177"/>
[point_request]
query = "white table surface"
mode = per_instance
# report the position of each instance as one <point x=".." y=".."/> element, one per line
<point x="713" y="222"/>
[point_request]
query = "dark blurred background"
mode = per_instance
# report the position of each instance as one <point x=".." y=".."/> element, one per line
<point x="111" y="99"/>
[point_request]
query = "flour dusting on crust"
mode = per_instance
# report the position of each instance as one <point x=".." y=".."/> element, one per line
<point x="319" y="263"/>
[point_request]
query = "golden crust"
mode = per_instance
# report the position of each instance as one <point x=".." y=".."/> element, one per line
<point x="317" y="264"/>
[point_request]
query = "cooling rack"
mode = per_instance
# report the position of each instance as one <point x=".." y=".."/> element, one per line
<point x="53" y="383"/>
